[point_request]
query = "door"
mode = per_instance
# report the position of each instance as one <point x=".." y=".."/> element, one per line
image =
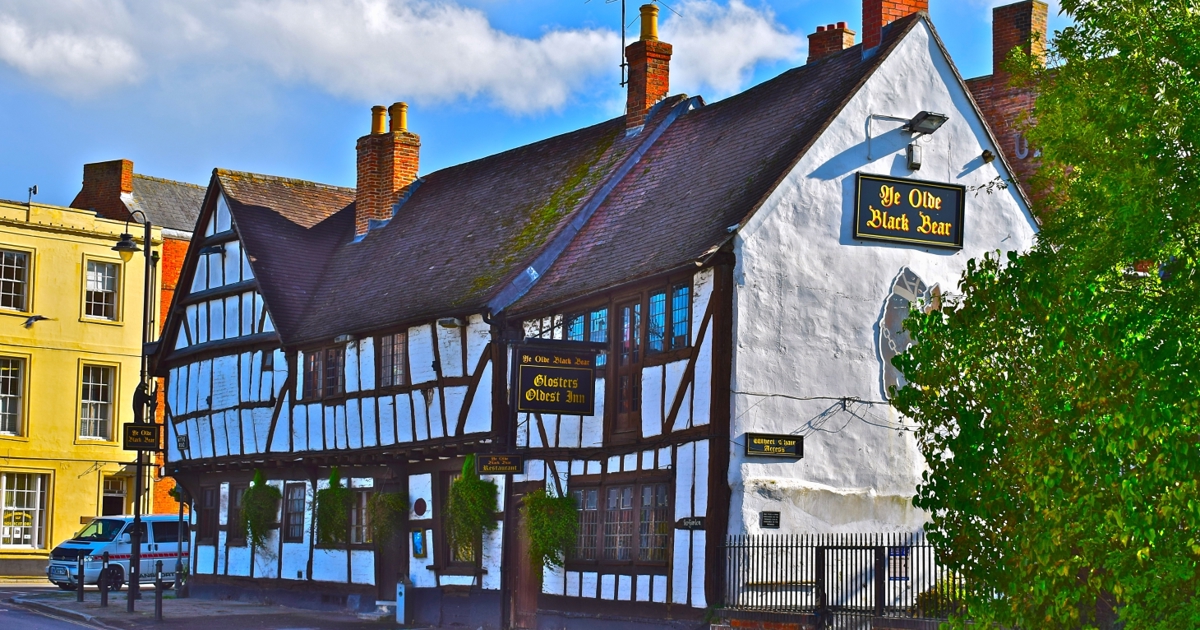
<point x="527" y="579"/>
<point x="113" y="503"/>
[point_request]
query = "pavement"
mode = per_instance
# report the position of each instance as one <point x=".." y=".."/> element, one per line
<point x="52" y="605"/>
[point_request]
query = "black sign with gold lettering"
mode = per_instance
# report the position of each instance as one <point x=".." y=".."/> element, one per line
<point x="909" y="211"/>
<point x="499" y="464"/>
<point x="766" y="445"/>
<point x="555" y="381"/>
<point x="140" y="437"/>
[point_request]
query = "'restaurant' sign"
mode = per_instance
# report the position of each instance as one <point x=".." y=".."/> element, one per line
<point x="556" y="381"/>
<point x="909" y="211"/>
<point x="767" y="445"/>
<point x="499" y="464"/>
<point x="140" y="437"/>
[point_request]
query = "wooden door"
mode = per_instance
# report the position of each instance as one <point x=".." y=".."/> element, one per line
<point x="527" y="582"/>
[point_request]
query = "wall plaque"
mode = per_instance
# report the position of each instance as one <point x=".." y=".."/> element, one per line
<point x="909" y="211"/>
<point x="140" y="437"/>
<point x="690" y="523"/>
<point x="499" y="464"/>
<point x="768" y="445"/>
<point x="768" y="520"/>
<point x="555" y="381"/>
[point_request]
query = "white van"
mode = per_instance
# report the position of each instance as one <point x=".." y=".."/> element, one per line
<point x="160" y="541"/>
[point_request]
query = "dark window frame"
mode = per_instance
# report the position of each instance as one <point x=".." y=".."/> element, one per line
<point x="387" y="361"/>
<point x="289" y="515"/>
<point x="235" y="528"/>
<point x="636" y="533"/>
<point x="208" y="515"/>
<point x="324" y="373"/>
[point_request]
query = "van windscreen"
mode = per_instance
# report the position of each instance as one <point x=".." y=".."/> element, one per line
<point x="100" y="530"/>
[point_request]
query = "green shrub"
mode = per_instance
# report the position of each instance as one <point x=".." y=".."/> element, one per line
<point x="333" y="511"/>
<point x="385" y="513"/>
<point x="260" y="505"/>
<point x="552" y="524"/>
<point x="471" y="509"/>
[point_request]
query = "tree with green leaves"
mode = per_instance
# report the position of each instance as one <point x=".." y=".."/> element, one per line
<point x="1057" y="394"/>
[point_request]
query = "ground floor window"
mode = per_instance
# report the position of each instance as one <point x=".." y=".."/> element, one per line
<point x="210" y="501"/>
<point x="293" y="513"/>
<point x="360" y="519"/>
<point x="23" y="509"/>
<point x="623" y="523"/>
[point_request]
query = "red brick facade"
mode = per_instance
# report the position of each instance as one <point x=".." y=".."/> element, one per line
<point x="173" y="253"/>
<point x="828" y="40"/>
<point x="879" y="13"/>
<point x="387" y="164"/>
<point x="649" y="63"/>
<point x="103" y="184"/>
<point x="1021" y="25"/>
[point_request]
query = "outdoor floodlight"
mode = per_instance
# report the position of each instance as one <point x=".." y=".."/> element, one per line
<point x="926" y="122"/>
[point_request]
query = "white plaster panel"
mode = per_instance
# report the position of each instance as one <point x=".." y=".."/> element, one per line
<point x="702" y="286"/>
<point x="420" y="354"/>
<point x="224" y="382"/>
<point x="437" y="426"/>
<point x="629" y="462"/>
<point x="370" y="431"/>
<point x="550" y="421"/>
<point x="450" y="351"/>
<point x="266" y="565"/>
<point x="205" y="554"/>
<point x="268" y="324"/>
<point x="172" y="442"/>
<point x="499" y="480"/>
<point x="588" y="584"/>
<point x="204" y="386"/>
<point x="683" y="419"/>
<point x="233" y="316"/>
<point x="277" y="441"/>
<point x="354" y="437"/>
<point x="647" y="460"/>
<point x="259" y="309"/>
<point x="523" y="425"/>
<point x="418" y="568"/>
<point x="807" y="299"/>
<point x="698" y="558"/>
<point x="201" y="329"/>
<point x="341" y="434"/>
<point x="216" y="319"/>
<point x="239" y="561"/>
<point x="535" y="470"/>
<point x="193" y="438"/>
<point x="643" y="588"/>
<point x="420" y="410"/>
<point x="295" y="559"/>
<point x="220" y="435"/>
<point x="329" y="565"/>
<point x="192" y="393"/>
<point x="245" y="377"/>
<point x="457" y="580"/>
<point x="614" y="464"/>
<point x="249" y="441"/>
<point x="624" y="587"/>
<point x="593" y="426"/>
<point x="535" y="431"/>
<point x="300" y="428"/>
<point x="685" y="459"/>
<point x="652" y="401"/>
<point x="593" y="467"/>
<point x="173" y="390"/>
<point x="351" y="367"/>
<point x="479" y="416"/>
<point x="224" y="219"/>
<point x="223" y="505"/>
<point x="572" y="584"/>
<point x="493" y="552"/>
<point x="569" y="430"/>
<point x="316" y="427"/>
<point x="659" y="589"/>
<point x="454" y="402"/>
<point x="387" y="420"/>
<point x="246" y="327"/>
<point x="210" y="227"/>
<point x="700" y="492"/>
<point x="478" y="336"/>
<point x="328" y="427"/>
<point x="577" y="467"/>
<point x="201" y="438"/>
<point x="608" y="587"/>
<point x="200" y="278"/>
<point x="562" y="468"/>
<point x="702" y="382"/>
<point x="247" y="272"/>
<point x="674" y="377"/>
<point x="216" y="275"/>
<point x="679" y="567"/>
<point x="366" y="363"/>
<point x="420" y="487"/>
<point x="404" y="418"/>
<point x="280" y="366"/>
<point x="362" y="566"/>
<point x="553" y="580"/>
<point x="664" y="457"/>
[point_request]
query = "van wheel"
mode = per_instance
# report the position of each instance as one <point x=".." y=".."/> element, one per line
<point x="116" y="577"/>
<point x="65" y="587"/>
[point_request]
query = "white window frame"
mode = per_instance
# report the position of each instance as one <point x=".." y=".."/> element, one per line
<point x="88" y="421"/>
<point x="25" y="284"/>
<point x="37" y="513"/>
<point x="12" y="424"/>
<point x="114" y="294"/>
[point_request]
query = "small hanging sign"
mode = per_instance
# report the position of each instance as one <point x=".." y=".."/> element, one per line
<point x="692" y="523"/>
<point x="771" y="445"/>
<point x="499" y="464"/>
<point x="140" y="437"/>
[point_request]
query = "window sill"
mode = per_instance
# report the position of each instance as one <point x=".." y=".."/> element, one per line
<point x="94" y="441"/>
<point x="14" y="437"/>
<point x="15" y="313"/>
<point x="457" y="570"/>
<point x="100" y="320"/>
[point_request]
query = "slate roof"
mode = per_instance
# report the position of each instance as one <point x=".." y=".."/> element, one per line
<point x="710" y="171"/>
<point x="167" y="203"/>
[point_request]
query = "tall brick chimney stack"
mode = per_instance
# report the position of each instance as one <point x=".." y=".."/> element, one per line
<point x="828" y="40"/>
<point x="649" y="69"/>
<point x="1021" y="25"/>
<point x="103" y="185"/>
<point x="879" y="13"/>
<point x="387" y="164"/>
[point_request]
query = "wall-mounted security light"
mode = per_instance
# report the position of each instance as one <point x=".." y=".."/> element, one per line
<point x="926" y="123"/>
<point x="451" y="322"/>
<point x="343" y="339"/>
<point x="913" y="153"/>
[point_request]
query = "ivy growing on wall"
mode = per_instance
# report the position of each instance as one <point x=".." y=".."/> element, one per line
<point x="333" y="511"/>
<point x="472" y="506"/>
<point x="260" y="506"/>
<point x="553" y="524"/>
<point x="385" y="513"/>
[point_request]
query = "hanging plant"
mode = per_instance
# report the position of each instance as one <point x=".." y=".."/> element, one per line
<point x="385" y="513"/>
<point x="552" y="524"/>
<point x="471" y="508"/>
<point x="333" y="511"/>
<point x="260" y="505"/>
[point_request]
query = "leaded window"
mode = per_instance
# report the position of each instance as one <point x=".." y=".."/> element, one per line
<point x="237" y="525"/>
<point x="618" y="523"/>
<point x="293" y="513"/>
<point x="100" y="299"/>
<point x="360" y="518"/>
<point x="586" y="500"/>
<point x="393" y="360"/>
<point x="96" y="413"/>
<point x="654" y="524"/>
<point x="323" y="373"/>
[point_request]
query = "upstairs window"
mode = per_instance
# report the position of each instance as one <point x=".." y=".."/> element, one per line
<point x="589" y="326"/>
<point x="100" y="299"/>
<point x="14" y="280"/>
<point x="96" y="409"/>
<point x="12" y="385"/>
<point x="669" y="319"/>
<point x="393" y="360"/>
<point x="323" y="373"/>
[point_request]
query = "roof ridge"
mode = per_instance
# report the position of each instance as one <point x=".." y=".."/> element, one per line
<point x="168" y="181"/>
<point x="224" y="172"/>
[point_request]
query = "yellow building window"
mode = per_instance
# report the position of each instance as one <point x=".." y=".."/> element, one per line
<point x="14" y="280"/>
<point x="101" y="298"/>
<point x="12" y="407"/>
<point x="23" y="510"/>
<point x="97" y="402"/>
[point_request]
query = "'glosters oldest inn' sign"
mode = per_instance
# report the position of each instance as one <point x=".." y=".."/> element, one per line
<point x="908" y="211"/>
<point x="555" y="381"/>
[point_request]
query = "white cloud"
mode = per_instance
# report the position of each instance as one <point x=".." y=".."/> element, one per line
<point x="371" y="50"/>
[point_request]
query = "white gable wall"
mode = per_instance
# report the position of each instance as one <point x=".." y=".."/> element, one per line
<point x="807" y="299"/>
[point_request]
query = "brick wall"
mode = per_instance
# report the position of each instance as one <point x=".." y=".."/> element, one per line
<point x="387" y="164"/>
<point x="828" y="40"/>
<point x="103" y="183"/>
<point x="170" y="266"/>
<point x="649" y="78"/>
<point x="879" y="13"/>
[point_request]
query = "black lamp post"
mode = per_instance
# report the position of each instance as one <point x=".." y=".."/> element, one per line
<point x="142" y="400"/>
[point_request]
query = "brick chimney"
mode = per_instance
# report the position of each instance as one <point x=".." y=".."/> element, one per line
<point x="1021" y="25"/>
<point x="828" y="40"/>
<point x="879" y="13"/>
<point x="387" y="163"/>
<point x="103" y="185"/>
<point x="649" y="69"/>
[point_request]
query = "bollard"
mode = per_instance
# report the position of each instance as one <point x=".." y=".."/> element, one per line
<point x="79" y="580"/>
<point x="103" y="582"/>
<point x="158" y="589"/>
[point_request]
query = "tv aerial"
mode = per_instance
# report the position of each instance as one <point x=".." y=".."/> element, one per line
<point x="625" y="26"/>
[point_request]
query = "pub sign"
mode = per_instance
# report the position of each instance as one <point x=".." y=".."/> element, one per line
<point x="555" y="381"/>
<point x="772" y="445"/>
<point x="908" y="211"/>
<point x="140" y="437"/>
<point x="499" y="464"/>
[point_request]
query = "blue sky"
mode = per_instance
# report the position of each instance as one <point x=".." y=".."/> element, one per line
<point x="284" y="86"/>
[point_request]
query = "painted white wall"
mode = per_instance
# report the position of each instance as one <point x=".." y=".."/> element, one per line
<point x="807" y="298"/>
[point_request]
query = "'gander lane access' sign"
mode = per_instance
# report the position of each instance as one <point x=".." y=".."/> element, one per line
<point x="556" y="381"/>
<point x="770" y="445"/>
<point x="908" y="211"/>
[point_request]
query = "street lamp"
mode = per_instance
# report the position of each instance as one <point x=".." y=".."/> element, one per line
<point x="142" y="400"/>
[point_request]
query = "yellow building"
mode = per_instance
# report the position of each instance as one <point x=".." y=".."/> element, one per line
<point x="70" y="348"/>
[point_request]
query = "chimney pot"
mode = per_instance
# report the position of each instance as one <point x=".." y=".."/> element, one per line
<point x="829" y="40"/>
<point x="879" y="13"/>
<point x="649" y="22"/>
<point x="378" y="114"/>
<point x="398" y="113"/>
<point x="820" y="29"/>
<point x="841" y="25"/>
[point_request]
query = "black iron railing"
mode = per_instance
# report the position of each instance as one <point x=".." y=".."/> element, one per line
<point x="840" y="575"/>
